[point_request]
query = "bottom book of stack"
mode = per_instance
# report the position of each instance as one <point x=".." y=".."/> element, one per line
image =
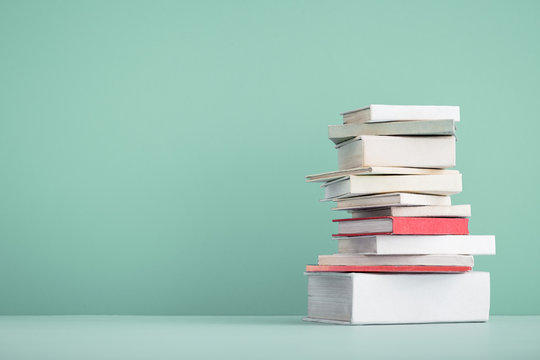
<point x="399" y="298"/>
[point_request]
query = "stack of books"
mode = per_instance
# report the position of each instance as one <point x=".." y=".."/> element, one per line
<point x="404" y="251"/>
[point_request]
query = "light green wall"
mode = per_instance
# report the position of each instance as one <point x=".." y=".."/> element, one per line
<point x="152" y="153"/>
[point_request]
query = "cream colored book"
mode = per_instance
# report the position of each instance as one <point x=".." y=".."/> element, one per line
<point x="417" y="244"/>
<point x="401" y="151"/>
<point x="384" y="113"/>
<point x="396" y="260"/>
<point x="376" y="170"/>
<point x="340" y="133"/>
<point x="413" y="211"/>
<point x="355" y="185"/>
<point x="401" y="200"/>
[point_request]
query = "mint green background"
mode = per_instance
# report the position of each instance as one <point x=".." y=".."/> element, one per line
<point x="152" y="153"/>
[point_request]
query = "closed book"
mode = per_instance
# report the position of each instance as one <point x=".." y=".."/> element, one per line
<point x="417" y="244"/>
<point x="388" y="268"/>
<point x="340" y="133"/>
<point x="411" y="151"/>
<point x="414" y="211"/>
<point x="377" y="170"/>
<point x="371" y="298"/>
<point x="385" y="113"/>
<point x="393" y="225"/>
<point x="401" y="200"/>
<point x="396" y="260"/>
<point x="355" y="185"/>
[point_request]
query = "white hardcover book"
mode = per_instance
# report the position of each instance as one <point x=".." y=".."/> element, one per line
<point x="392" y="199"/>
<point x="340" y="133"/>
<point x="363" y="298"/>
<point x="352" y="259"/>
<point x="376" y="170"/>
<point x="355" y="185"/>
<point x="417" y="244"/>
<point x="384" y="113"/>
<point x="414" y="211"/>
<point x="404" y="151"/>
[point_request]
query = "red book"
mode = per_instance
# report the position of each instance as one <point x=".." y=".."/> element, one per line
<point x="395" y="225"/>
<point x="388" y="268"/>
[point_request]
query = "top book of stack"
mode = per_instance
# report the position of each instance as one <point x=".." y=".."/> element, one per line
<point x="384" y="113"/>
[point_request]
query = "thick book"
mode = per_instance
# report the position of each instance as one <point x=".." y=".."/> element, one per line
<point x="340" y="133"/>
<point x="385" y="113"/>
<point x="355" y="185"/>
<point x="377" y="170"/>
<point x="403" y="151"/>
<point x="364" y="298"/>
<point x="394" y="225"/>
<point x="388" y="268"/>
<point x="352" y="259"/>
<point x="417" y="245"/>
<point x="414" y="211"/>
<point x="391" y="200"/>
